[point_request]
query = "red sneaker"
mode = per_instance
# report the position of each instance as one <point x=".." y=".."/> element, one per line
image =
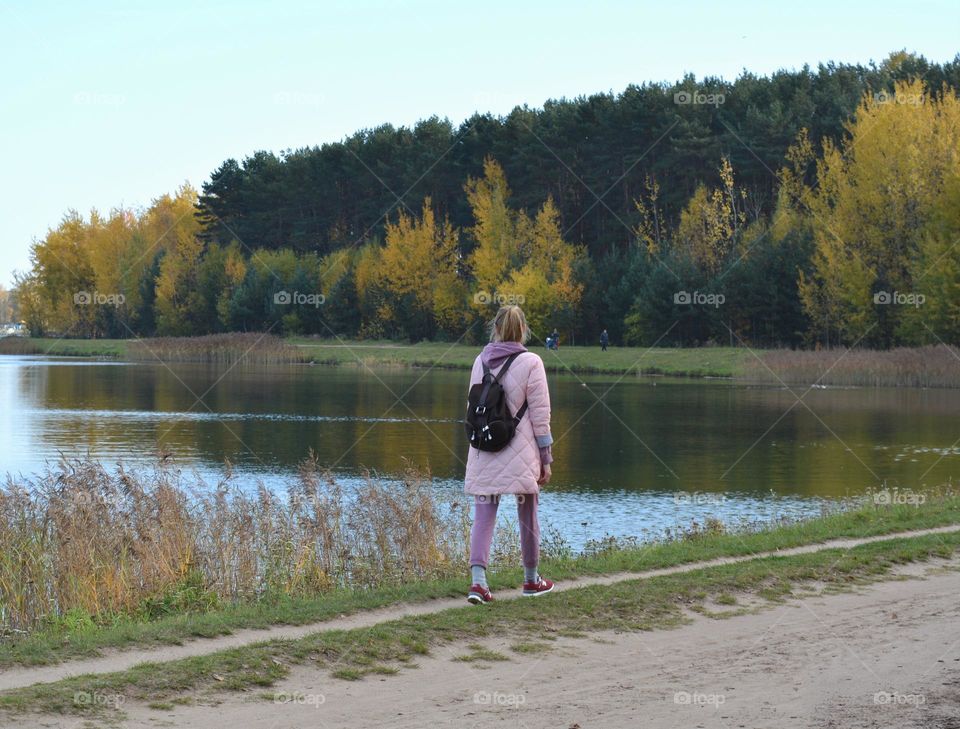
<point x="540" y="587"/>
<point x="479" y="595"/>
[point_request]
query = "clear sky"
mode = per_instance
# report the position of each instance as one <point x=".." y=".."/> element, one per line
<point x="114" y="103"/>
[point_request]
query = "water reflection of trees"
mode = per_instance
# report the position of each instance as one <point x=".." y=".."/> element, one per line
<point x="697" y="430"/>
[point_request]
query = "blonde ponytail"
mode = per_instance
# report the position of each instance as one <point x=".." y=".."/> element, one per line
<point x="509" y="325"/>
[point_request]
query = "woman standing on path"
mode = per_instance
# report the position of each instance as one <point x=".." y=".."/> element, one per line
<point x="523" y="464"/>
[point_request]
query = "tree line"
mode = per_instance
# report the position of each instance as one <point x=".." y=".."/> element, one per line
<point x="810" y="207"/>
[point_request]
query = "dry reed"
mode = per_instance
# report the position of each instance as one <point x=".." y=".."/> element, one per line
<point x="82" y="540"/>
<point x="930" y="366"/>
<point x="252" y="348"/>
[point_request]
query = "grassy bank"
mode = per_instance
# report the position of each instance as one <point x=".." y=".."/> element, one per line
<point x="253" y="348"/>
<point x="713" y="361"/>
<point x="113" y="348"/>
<point x="633" y="605"/>
<point x="92" y="561"/>
<point x="933" y="366"/>
<point x="704" y="362"/>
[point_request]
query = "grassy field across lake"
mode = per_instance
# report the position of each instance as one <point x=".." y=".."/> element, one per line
<point x="701" y="362"/>
<point x="923" y="367"/>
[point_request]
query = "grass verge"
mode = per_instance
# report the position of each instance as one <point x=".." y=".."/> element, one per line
<point x="703" y="362"/>
<point x="54" y="645"/>
<point x="923" y="367"/>
<point x="633" y="605"/>
<point x="56" y="347"/>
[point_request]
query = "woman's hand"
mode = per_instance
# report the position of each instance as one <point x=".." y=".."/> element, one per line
<point x="544" y="474"/>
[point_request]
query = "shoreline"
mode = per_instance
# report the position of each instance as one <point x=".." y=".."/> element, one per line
<point x="705" y="362"/>
<point x="925" y="367"/>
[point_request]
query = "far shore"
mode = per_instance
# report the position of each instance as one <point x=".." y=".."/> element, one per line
<point x="921" y="367"/>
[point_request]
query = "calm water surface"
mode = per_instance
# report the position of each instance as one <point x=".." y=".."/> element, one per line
<point x="633" y="455"/>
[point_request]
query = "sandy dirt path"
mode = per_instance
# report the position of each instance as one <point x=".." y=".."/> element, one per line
<point x="120" y="660"/>
<point x="885" y="655"/>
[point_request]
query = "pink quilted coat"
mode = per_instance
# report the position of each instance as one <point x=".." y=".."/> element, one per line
<point x="516" y="468"/>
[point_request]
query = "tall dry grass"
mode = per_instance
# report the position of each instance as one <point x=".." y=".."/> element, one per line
<point x="252" y="348"/>
<point x="81" y="539"/>
<point x="930" y="366"/>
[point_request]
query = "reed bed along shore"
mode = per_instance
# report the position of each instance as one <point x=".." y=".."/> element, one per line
<point x="249" y="348"/>
<point x="930" y="366"/>
<point x="84" y="543"/>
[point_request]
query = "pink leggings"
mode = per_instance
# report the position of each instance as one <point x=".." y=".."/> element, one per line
<point x="485" y="518"/>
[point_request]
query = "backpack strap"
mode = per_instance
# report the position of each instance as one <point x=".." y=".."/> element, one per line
<point x="506" y="365"/>
<point x="520" y="412"/>
<point x="488" y="381"/>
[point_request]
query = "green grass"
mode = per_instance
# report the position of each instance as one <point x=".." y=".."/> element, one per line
<point x="479" y="653"/>
<point x="115" y="348"/>
<point x="531" y="646"/>
<point x="57" y="643"/>
<point x="633" y="605"/>
<point x="902" y="367"/>
<point x="703" y="362"/>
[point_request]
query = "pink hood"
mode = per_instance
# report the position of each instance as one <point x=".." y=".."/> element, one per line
<point x="496" y="353"/>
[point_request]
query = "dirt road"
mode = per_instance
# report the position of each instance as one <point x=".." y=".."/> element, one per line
<point x="887" y="655"/>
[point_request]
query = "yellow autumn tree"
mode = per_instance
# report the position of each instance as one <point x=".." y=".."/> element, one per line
<point x="172" y="226"/>
<point x="116" y="250"/>
<point x="874" y="196"/>
<point x="418" y="269"/>
<point x="521" y="259"/>
<point x="494" y="228"/>
<point x="711" y="220"/>
<point x="935" y="275"/>
<point x="62" y="273"/>
<point x="651" y="230"/>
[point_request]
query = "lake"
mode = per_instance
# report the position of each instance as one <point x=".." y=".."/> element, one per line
<point x="633" y="455"/>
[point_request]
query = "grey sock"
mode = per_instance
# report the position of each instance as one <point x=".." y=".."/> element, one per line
<point x="530" y="574"/>
<point x="479" y="573"/>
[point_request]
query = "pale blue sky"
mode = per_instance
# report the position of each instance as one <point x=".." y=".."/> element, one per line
<point x="107" y="103"/>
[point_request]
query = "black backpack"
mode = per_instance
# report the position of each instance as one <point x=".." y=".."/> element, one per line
<point x="489" y="424"/>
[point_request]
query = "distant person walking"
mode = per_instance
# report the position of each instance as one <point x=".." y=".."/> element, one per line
<point x="508" y="424"/>
<point x="604" y="340"/>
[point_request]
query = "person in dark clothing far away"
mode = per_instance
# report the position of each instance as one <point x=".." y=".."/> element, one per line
<point x="604" y="340"/>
